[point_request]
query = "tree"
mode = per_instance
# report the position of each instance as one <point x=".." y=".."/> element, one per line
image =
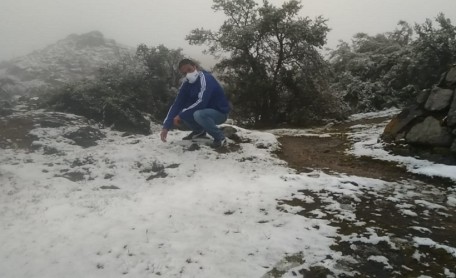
<point x="266" y="52"/>
<point x="375" y="72"/>
<point x="435" y="50"/>
<point x="161" y="62"/>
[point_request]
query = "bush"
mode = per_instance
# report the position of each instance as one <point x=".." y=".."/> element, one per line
<point x="122" y="93"/>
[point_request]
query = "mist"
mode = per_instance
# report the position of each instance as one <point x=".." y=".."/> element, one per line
<point x="31" y="25"/>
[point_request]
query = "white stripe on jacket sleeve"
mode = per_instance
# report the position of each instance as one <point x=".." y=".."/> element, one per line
<point x="200" y="94"/>
<point x="171" y="107"/>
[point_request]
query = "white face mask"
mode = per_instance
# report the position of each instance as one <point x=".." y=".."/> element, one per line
<point x="192" y="76"/>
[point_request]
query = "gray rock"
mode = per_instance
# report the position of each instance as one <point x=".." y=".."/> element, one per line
<point x="85" y="136"/>
<point x="451" y="120"/>
<point x="399" y="123"/>
<point x="161" y="174"/>
<point x="450" y="78"/>
<point x="73" y="176"/>
<point x="228" y="131"/>
<point x="400" y="137"/>
<point x="109" y="187"/>
<point x="5" y="108"/>
<point x="429" y="132"/>
<point x="439" y="99"/>
<point x="453" y="147"/>
<point x="423" y="96"/>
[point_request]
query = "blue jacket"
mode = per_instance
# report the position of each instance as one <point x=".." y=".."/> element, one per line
<point x="205" y="92"/>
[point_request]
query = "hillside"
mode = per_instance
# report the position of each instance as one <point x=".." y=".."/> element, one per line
<point x="73" y="58"/>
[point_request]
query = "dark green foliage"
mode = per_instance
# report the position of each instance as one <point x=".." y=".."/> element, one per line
<point x="273" y="72"/>
<point x="434" y="49"/>
<point x="376" y="72"/>
<point x="123" y="92"/>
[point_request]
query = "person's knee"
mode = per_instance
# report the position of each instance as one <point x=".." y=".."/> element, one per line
<point x="198" y="115"/>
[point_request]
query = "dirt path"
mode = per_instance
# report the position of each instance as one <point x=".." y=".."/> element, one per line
<point x="378" y="211"/>
<point x="306" y="153"/>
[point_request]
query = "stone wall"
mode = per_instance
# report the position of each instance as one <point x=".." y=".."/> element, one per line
<point x="431" y="121"/>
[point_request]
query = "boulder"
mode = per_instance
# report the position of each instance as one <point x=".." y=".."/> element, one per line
<point x="422" y="96"/>
<point x="451" y="120"/>
<point x="429" y="132"/>
<point x="439" y="99"/>
<point x="450" y="78"/>
<point x="429" y="125"/>
<point x="400" y="122"/>
<point x="229" y="131"/>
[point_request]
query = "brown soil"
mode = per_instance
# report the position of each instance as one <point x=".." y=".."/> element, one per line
<point x="306" y="153"/>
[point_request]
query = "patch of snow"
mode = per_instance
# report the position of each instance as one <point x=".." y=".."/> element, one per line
<point x="451" y="201"/>
<point x="372" y="238"/>
<point x="421" y="229"/>
<point x="409" y="212"/>
<point x="380" y="259"/>
<point x="417" y="255"/>
<point x="371" y="115"/>
<point x="429" y="205"/>
<point x="299" y="132"/>
<point x="449" y="274"/>
<point x="429" y="242"/>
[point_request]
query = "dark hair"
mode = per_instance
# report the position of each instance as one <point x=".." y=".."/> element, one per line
<point x="186" y="62"/>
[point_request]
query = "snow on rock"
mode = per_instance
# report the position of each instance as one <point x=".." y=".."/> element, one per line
<point x="367" y="143"/>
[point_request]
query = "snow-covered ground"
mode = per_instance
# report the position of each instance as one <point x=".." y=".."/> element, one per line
<point x="136" y="207"/>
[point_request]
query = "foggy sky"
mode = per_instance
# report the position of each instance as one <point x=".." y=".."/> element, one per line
<point x="28" y="25"/>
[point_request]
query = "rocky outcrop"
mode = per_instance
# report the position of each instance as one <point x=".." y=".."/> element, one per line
<point x="45" y="131"/>
<point x="449" y="79"/>
<point x="451" y="120"/>
<point x="431" y="121"/>
<point x="429" y="132"/>
<point x="439" y="99"/>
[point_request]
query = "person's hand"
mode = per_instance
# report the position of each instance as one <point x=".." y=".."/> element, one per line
<point x="177" y="121"/>
<point x="163" y="134"/>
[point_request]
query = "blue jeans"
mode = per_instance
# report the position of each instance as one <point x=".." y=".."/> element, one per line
<point x="207" y="119"/>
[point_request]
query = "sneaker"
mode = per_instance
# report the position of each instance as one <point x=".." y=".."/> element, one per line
<point x="218" y="143"/>
<point x="194" y="135"/>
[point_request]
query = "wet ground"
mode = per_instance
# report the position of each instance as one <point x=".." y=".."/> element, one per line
<point x="412" y="210"/>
